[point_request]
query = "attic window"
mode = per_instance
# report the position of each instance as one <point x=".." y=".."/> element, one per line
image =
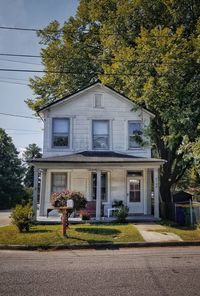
<point x="98" y="101"/>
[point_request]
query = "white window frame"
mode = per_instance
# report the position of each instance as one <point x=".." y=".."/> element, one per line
<point x="92" y="135"/>
<point x="59" y="173"/>
<point x="69" y="134"/>
<point x="102" y="101"/>
<point x="134" y="121"/>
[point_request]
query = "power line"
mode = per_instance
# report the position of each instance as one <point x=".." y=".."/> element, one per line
<point x="24" y="130"/>
<point x="20" y="55"/>
<point x="16" y="115"/>
<point x="61" y="31"/>
<point x="21" y="62"/>
<point x="13" y="82"/>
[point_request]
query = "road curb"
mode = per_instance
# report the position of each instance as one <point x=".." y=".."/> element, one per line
<point x="99" y="246"/>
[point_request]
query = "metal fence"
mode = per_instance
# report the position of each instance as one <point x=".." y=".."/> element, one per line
<point x="187" y="213"/>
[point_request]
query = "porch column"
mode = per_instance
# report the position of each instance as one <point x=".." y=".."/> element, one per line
<point x="42" y="191"/>
<point x="35" y="193"/>
<point x="145" y="191"/>
<point x="156" y="193"/>
<point x="98" y="196"/>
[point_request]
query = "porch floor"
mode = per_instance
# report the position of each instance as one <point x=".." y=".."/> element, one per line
<point x="131" y="218"/>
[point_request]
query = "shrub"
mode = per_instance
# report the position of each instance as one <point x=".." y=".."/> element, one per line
<point x="59" y="199"/>
<point x="122" y="213"/>
<point x="22" y="216"/>
<point x="117" y="203"/>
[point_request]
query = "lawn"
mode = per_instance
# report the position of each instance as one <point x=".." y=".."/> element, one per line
<point x="45" y="235"/>
<point x="187" y="234"/>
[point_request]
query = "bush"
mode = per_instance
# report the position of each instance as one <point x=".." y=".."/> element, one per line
<point x="59" y="199"/>
<point x="22" y="216"/>
<point x="122" y="213"/>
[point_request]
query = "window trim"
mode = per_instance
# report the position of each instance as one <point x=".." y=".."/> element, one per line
<point x="134" y="121"/>
<point x="108" y="124"/>
<point x="52" y="134"/>
<point x="60" y="173"/>
<point x="102" y="101"/>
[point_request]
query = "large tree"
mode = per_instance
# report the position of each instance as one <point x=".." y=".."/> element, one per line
<point x="30" y="152"/>
<point x="147" y="49"/>
<point x="11" y="173"/>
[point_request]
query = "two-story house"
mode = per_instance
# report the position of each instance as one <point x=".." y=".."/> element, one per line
<point x="91" y="144"/>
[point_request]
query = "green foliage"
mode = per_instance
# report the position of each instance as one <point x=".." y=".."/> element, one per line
<point x="31" y="152"/>
<point x="11" y="173"/>
<point x="122" y="213"/>
<point x="59" y="199"/>
<point x="117" y="203"/>
<point x="22" y="216"/>
<point x="148" y="50"/>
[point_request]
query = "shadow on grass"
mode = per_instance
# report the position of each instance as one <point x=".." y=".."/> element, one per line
<point x="99" y="231"/>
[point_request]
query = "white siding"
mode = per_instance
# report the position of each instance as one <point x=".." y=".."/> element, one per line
<point x="81" y="112"/>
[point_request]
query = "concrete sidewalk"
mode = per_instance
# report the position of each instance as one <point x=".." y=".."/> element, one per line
<point x="150" y="234"/>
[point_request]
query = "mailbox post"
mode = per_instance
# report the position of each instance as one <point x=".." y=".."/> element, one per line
<point x="64" y="219"/>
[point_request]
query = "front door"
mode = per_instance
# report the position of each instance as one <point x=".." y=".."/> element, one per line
<point x="135" y="195"/>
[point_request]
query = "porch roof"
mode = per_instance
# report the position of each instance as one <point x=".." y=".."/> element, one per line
<point x="97" y="157"/>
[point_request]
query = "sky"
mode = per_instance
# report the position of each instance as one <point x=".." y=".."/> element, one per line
<point x="13" y="85"/>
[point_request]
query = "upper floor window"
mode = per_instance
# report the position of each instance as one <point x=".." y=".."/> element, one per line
<point x="98" y="100"/>
<point x="134" y="134"/>
<point x="100" y="134"/>
<point x="60" y="132"/>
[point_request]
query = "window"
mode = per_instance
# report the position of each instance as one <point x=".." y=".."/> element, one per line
<point x="98" y="101"/>
<point x="134" y="134"/>
<point x="100" y="130"/>
<point x="103" y="186"/>
<point x="59" y="182"/>
<point x="134" y="190"/>
<point x="60" y="132"/>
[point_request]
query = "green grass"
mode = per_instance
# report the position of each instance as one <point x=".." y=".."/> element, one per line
<point x="45" y="235"/>
<point x="186" y="233"/>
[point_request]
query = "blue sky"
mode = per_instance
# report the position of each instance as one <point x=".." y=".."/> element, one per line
<point x="26" y="14"/>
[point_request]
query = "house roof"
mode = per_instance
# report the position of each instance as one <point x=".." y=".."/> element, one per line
<point x="97" y="157"/>
<point x="67" y="97"/>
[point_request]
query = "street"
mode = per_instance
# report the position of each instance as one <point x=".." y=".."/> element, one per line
<point x="146" y="271"/>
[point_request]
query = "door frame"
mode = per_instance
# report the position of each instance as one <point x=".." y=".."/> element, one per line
<point x="141" y="179"/>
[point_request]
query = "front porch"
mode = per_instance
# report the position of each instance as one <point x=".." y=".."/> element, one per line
<point x="103" y="180"/>
<point x="57" y="219"/>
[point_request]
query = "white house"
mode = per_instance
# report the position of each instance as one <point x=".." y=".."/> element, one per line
<point x="91" y="145"/>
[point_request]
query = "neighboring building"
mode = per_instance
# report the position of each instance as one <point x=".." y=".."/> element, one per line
<point x="91" y="144"/>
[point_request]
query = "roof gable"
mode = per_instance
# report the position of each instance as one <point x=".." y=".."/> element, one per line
<point x="83" y="90"/>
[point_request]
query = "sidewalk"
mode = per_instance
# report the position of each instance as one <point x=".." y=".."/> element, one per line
<point x="149" y="233"/>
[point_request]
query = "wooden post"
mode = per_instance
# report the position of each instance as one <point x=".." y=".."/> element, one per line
<point x="35" y="193"/>
<point x="65" y="222"/>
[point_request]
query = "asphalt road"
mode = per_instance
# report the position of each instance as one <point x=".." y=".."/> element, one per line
<point x="155" y="271"/>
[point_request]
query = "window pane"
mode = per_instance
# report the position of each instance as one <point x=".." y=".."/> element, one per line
<point x="60" y="141"/>
<point x="98" y="100"/>
<point x="100" y="134"/>
<point x="60" y="132"/>
<point x="100" y="127"/>
<point x="135" y="128"/>
<point x="60" y="125"/>
<point x="100" y="142"/>
<point x="134" y="190"/>
<point x="59" y="182"/>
